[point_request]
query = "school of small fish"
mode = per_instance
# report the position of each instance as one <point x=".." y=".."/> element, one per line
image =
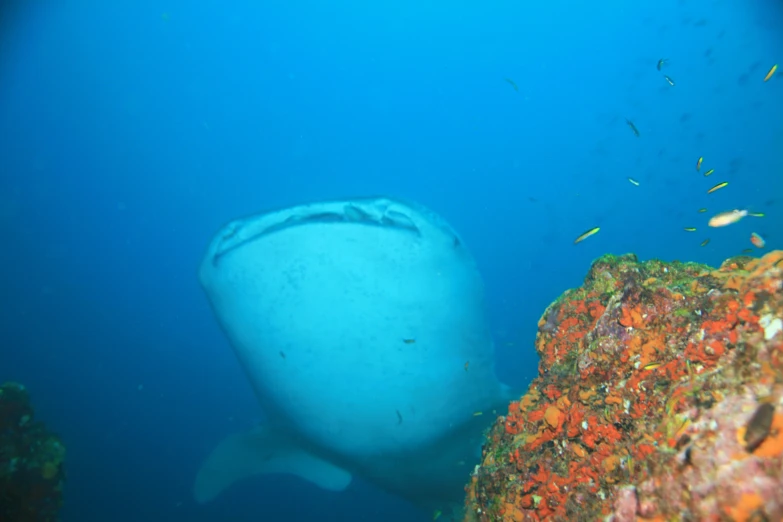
<point x="721" y="219"/>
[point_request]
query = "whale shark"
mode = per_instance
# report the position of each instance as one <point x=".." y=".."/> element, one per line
<point x="361" y="325"/>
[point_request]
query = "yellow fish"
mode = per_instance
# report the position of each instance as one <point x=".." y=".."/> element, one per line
<point x="709" y="172"/>
<point x="652" y="366"/>
<point x="698" y="163"/>
<point x="705" y="242"/>
<point x="671" y="82"/>
<point x="512" y="83"/>
<point x="702" y="210"/>
<point x="771" y="72"/>
<point x="587" y="234"/>
<point x="690" y="229"/>
<point x="633" y="181"/>
<point x="718" y="187"/>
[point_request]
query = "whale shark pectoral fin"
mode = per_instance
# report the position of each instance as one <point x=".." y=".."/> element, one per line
<point x="258" y="452"/>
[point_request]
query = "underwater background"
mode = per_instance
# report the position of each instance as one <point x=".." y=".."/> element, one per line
<point x="131" y="131"/>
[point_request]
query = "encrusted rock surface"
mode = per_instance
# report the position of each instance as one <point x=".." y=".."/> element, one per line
<point x="31" y="461"/>
<point x="659" y="398"/>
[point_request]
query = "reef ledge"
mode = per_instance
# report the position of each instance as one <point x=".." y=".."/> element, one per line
<point x="659" y="397"/>
<point x="31" y="461"/>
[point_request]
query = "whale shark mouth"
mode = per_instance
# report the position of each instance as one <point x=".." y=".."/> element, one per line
<point x="378" y="212"/>
<point x="361" y="326"/>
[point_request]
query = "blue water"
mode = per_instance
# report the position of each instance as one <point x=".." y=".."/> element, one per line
<point x="130" y="131"/>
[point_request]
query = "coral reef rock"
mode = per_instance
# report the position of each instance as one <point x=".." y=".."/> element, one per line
<point x="31" y="461"/>
<point x="659" y="397"/>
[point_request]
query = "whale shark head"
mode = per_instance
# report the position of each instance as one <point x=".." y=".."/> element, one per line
<point x="361" y="326"/>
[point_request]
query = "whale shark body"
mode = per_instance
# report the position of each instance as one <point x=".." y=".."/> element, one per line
<point x="361" y="326"/>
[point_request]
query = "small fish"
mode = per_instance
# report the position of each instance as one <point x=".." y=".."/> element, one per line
<point x="514" y="85"/>
<point x="633" y="127"/>
<point x="747" y="250"/>
<point x="718" y="187"/>
<point x="652" y="366"/>
<point x="282" y="354"/>
<point x="587" y="234"/>
<point x="671" y="82"/>
<point x="702" y="210"/>
<point x="478" y="413"/>
<point x="705" y="242"/>
<point x="759" y="426"/>
<point x="467" y="365"/>
<point x="399" y="417"/>
<point x="698" y="163"/>
<point x="661" y="63"/>
<point x="757" y="240"/>
<point x="709" y="172"/>
<point x="771" y="72"/>
<point x="690" y="229"/>
<point x="756" y="214"/>
<point x="633" y="181"/>
<point x="436" y="515"/>
<point x="727" y="218"/>
<point x="409" y="341"/>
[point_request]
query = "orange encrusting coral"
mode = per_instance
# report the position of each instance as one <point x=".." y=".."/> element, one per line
<point x="635" y="366"/>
